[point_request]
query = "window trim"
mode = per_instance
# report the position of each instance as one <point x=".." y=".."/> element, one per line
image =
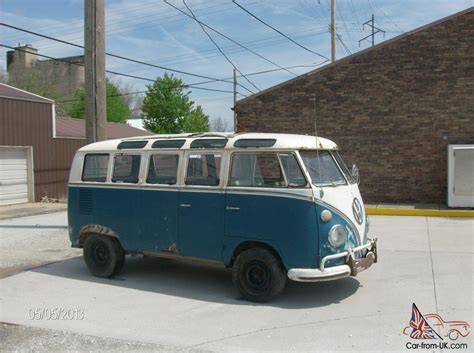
<point x="184" y="168"/>
<point x="277" y="152"/>
<point x="340" y="167"/>
<point x="140" y="169"/>
<point x="302" y="170"/>
<point x="148" y="157"/>
<point x="84" y="163"/>
<point x="336" y="164"/>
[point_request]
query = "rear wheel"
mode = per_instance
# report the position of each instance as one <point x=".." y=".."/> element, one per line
<point x="258" y="275"/>
<point x="103" y="255"/>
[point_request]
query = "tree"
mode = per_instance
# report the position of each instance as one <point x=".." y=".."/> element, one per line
<point x="218" y="125"/>
<point x="134" y="101"/>
<point x="167" y="108"/>
<point x="117" y="108"/>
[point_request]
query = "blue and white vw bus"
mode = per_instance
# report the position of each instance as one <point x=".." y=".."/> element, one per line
<point x="267" y="206"/>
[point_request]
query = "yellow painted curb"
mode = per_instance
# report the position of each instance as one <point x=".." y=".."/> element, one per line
<point x="415" y="212"/>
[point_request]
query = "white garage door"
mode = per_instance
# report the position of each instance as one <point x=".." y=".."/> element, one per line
<point x="13" y="175"/>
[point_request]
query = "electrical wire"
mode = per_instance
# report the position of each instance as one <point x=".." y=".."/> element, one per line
<point x="219" y="48"/>
<point x="126" y="94"/>
<point x="344" y="46"/>
<point x="114" y="72"/>
<point x="120" y="56"/>
<point x="227" y="37"/>
<point x="216" y="54"/>
<point x="278" y="31"/>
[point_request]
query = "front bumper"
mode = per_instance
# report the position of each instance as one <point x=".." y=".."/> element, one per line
<point x="351" y="267"/>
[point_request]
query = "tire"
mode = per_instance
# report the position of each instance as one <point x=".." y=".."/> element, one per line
<point x="103" y="255"/>
<point x="119" y="266"/>
<point x="258" y="275"/>
<point x="453" y="335"/>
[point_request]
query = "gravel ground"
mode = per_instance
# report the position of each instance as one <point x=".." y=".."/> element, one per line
<point x="14" y="338"/>
<point x="29" y="242"/>
<point x="30" y="209"/>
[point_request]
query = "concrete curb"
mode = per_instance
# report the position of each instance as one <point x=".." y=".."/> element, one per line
<point x="418" y="212"/>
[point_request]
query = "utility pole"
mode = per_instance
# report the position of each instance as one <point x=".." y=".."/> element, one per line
<point x="333" y="30"/>
<point x="235" y="100"/>
<point x="375" y="30"/>
<point x="373" y="27"/>
<point x="94" y="60"/>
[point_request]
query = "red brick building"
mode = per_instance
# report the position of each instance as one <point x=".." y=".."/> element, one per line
<point x="393" y="108"/>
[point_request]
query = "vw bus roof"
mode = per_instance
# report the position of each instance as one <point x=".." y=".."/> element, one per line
<point x="283" y="141"/>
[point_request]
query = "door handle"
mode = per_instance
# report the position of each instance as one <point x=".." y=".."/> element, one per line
<point x="231" y="208"/>
<point x="185" y="205"/>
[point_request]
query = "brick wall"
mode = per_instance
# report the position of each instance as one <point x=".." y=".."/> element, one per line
<point x="393" y="109"/>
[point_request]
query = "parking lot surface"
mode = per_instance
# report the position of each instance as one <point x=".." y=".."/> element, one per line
<point x="427" y="261"/>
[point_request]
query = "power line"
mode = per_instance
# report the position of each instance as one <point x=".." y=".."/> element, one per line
<point x="227" y="37"/>
<point x="120" y="56"/>
<point x="233" y="50"/>
<point x="344" y="46"/>
<point x="340" y="11"/>
<point x="117" y="73"/>
<point x="118" y="26"/>
<point x="385" y="14"/>
<point x="278" y="31"/>
<point x="219" y="48"/>
<point x="120" y="95"/>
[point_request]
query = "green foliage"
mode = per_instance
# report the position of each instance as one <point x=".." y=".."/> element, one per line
<point x="167" y="108"/>
<point x="117" y="108"/>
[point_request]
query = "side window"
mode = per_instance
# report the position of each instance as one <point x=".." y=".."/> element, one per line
<point x="203" y="169"/>
<point x="163" y="169"/>
<point x="95" y="167"/>
<point x="126" y="168"/>
<point x="256" y="170"/>
<point x="293" y="172"/>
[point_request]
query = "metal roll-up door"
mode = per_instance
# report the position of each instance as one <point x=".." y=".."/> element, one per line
<point x="15" y="175"/>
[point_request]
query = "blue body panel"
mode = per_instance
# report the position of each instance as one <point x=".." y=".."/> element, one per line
<point x="288" y="222"/>
<point x="152" y="220"/>
<point x="201" y="226"/>
<point x="325" y="247"/>
<point x="158" y="219"/>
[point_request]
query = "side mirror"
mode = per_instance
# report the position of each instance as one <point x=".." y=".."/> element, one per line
<point x="355" y="173"/>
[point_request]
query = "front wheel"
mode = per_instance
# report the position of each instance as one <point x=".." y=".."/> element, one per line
<point x="103" y="255"/>
<point x="258" y="275"/>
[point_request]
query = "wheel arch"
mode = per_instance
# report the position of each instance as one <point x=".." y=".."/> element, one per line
<point x="249" y="244"/>
<point x="95" y="229"/>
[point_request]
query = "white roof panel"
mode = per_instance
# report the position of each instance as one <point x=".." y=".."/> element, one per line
<point x="283" y="141"/>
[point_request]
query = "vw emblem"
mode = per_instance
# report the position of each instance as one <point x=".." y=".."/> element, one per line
<point x="357" y="211"/>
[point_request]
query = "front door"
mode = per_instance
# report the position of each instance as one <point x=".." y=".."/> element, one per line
<point x="201" y="207"/>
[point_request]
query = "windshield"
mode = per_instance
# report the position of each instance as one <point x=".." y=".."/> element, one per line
<point x="323" y="171"/>
<point x="343" y="166"/>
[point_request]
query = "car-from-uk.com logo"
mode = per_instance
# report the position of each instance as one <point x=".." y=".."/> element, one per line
<point x="440" y="333"/>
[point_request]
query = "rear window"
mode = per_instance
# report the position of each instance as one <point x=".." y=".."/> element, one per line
<point x="126" y="168"/>
<point x="95" y="167"/>
<point x="163" y="169"/>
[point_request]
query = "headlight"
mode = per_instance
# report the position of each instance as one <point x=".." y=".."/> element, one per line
<point x="337" y="235"/>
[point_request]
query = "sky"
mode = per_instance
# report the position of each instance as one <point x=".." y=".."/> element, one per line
<point x="154" y="32"/>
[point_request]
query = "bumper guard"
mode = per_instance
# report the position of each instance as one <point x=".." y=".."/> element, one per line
<point x="351" y="267"/>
